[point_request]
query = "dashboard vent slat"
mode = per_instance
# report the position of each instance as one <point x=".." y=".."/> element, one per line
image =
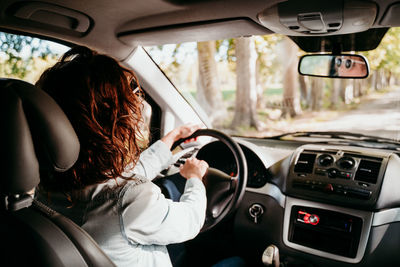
<point x="368" y="171"/>
<point x="305" y="163"/>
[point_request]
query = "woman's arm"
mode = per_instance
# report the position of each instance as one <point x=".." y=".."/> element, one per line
<point x="153" y="160"/>
<point x="158" y="156"/>
<point x="149" y="218"/>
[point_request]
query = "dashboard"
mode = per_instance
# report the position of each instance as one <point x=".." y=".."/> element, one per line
<point x="328" y="205"/>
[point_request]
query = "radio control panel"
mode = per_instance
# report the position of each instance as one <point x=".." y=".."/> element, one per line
<point x="333" y="232"/>
<point x="338" y="176"/>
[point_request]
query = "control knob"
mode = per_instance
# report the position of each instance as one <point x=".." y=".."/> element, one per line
<point x="325" y="160"/>
<point x="346" y="163"/>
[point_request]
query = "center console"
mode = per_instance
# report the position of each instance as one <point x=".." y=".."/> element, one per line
<point x="332" y="192"/>
<point x="331" y="200"/>
<point x="337" y="175"/>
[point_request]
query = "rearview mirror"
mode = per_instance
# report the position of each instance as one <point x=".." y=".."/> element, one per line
<point x="334" y="66"/>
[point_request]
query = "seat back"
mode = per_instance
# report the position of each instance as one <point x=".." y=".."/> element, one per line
<point x="37" y="136"/>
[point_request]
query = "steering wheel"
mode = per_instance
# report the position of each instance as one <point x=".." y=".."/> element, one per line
<point x="224" y="192"/>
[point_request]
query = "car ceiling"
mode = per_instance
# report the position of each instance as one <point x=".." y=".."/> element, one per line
<point x="116" y="27"/>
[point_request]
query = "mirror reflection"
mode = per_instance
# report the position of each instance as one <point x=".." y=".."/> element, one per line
<point x="334" y="66"/>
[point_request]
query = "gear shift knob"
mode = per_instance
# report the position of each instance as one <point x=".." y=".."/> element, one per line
<point x="270" y="256"/>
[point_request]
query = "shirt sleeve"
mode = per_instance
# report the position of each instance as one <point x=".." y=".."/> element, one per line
<point x="153" y="160"/>
<point x="149" y="218"/>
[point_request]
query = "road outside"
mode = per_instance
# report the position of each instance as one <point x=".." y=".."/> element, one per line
<point x="377" y="115"/>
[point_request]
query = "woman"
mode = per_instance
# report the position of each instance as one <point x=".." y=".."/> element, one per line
<point x="108" y="191"/>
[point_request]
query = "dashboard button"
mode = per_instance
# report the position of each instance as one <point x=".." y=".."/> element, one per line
<point x="332" y="173"/>
<point x="345" y="175"/>
<point x="363" y="184"/>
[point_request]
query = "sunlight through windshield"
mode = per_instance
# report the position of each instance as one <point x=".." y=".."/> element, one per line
<point x="251" y="87"/>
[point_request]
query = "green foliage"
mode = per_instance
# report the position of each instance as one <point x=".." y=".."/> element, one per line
<point x="268" y="62"/>
<point x="226" y="50"/>
<point x="387" y="55"/>
<point x="17" y="54"/>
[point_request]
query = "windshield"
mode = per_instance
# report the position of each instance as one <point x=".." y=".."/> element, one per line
<point x="250" y="86"/>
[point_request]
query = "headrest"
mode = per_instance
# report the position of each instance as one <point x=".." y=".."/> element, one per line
<point x="36" y="135"/>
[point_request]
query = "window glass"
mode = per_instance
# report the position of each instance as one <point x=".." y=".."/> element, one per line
<point x="24" y="57"/>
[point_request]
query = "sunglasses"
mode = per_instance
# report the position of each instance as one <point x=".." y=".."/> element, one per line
<point x="136" y="89"/>
<point x="348" y="63"/>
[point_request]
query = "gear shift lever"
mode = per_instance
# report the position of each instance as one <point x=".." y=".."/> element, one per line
<point x="270" y="256"/>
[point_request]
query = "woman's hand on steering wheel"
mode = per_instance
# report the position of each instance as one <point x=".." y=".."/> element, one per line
<point x="180" y="133"/>
<point x="194" y="168"/>
<point x="224" y="193"/>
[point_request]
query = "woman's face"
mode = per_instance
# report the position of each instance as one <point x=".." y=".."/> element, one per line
<point x="351" y="66"/>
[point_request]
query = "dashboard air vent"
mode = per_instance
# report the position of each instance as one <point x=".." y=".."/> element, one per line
<point x="305" y="163"/>
<point x="368" y="171"/>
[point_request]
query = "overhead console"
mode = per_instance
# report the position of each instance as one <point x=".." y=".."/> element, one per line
<point x="315" y="17"/>
<point x="337" y="175"/>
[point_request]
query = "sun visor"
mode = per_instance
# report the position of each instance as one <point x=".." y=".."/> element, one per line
<point x="316" y="17"/>
<point x="193" y="32"/>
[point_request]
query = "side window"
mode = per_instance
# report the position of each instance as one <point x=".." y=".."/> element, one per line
<point x="24" y="57"/>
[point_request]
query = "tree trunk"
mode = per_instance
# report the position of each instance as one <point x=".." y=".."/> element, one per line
<point x="349" y="92"/>
<point x="382" y="79"/>
<point x="209" y="95"/>
<point x="260" y="87"/>
<point x="303" y="89"/>
<point x="291" y="99"/>
<point x="342" y="93"/>
<point x="336" y="86"/>
<point x="356" y="88"/>
<point x="246" y="90"/>
<point x="375" y="80"/>
<point x="391" y="79"/>
<point x="364" y="86"/>
<point x="316" y="93"/>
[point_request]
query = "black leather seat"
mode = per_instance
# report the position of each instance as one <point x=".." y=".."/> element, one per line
<point x="37" y="137"/>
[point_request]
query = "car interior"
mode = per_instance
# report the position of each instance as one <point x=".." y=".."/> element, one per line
<point x="324" y="199"/>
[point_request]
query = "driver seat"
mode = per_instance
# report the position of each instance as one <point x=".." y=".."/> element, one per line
<point x="37" y="138"/>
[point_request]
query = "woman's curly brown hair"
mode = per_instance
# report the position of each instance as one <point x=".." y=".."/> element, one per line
<point x="96" y="94"/>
